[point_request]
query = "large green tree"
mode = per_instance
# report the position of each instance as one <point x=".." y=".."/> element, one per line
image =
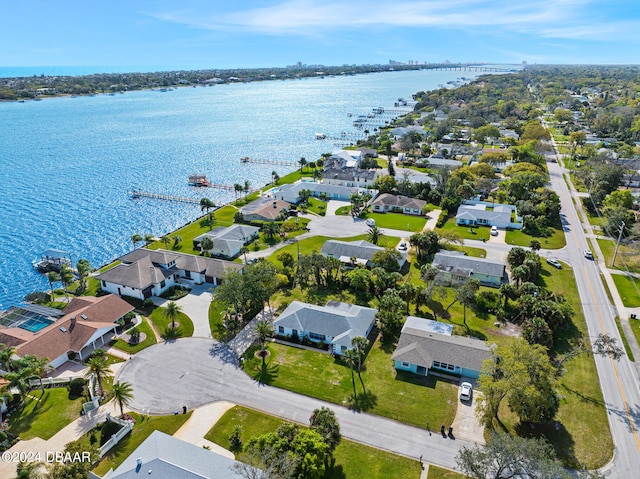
<point x="390" y="314"/>
<point x="122" y="394"/>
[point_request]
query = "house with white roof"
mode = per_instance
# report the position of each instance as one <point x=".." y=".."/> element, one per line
<point x="428" y="346"/>
<point x="479" y="213"/>
<point x="335" y="324"/>
<point x="291" y="192"/>
<point x="362" y="251"/>
<point x="144" y="273"/>
<point x="349" y="177"/>
<point x="227" y="241"/>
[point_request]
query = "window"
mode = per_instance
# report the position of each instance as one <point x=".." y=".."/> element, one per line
<point x="162" y="284"/>
<point x="405" y="365"/>
<point x="439" y="365"/>
<point x="281" y="329"/>
<point x="343" y="349"/>
<point x="104" y="284"/>
<point x="187" y="274"/>
<point x="317" y="337"/>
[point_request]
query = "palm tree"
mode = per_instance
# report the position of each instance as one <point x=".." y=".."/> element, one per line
<point x="99" y="368"/>
<point x="264" y="330"/>
<point x="351" y="358"/>
<point x="270" y="230"/>
<point x="243" y="251"/>
<point x="171" y="311"/>
<point x="52" y="277"/>
<point x="237" y="188"/>
<point x="122" y="394"/>
<point x="205" y="205"/>
<point x="135" y="239"/>
<point x="66" y="276"/>
<point x="247" y="187"/>
<point x="302" y="162"/>
<point x="166" y="240"/>
<point x="375" y="234"/>
<point x="6" y="356"/>
<point x="206" y="245"/>
<point x="20" y="380"/>
<point x="275" y="177"/>
<point x="360" y="344"/>
<point x="38" y="366"/>
<point x="83" y="268"/>
<point x="148" y="239"/>
<point x="177" y="239"/>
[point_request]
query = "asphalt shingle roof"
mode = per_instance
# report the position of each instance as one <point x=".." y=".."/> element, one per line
<point x="448" y="262"/>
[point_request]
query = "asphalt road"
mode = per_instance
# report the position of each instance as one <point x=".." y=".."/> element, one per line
<point x="195" y="371"/>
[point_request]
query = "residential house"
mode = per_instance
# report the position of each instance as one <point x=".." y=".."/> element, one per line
<point x="228" y="241"/>
<point x="86" y="323"/>
<point x="438" y="162"/>
<point x="387" y="202"/>
<point x="264" y="209"/>
<point x="457" y="267"/>
<point x="362" y="251"/>
<point x="343" y="159"/>
<point x="335" y="324"/>
<point x="349" y="177"/>
<point x="368" y="152"/>
<point x="144" y="273"/>
<point x="428" y="346"/>
<point x="162" y="456"/>
<point x="479" y="213"/>
<point x="291" y="192"/>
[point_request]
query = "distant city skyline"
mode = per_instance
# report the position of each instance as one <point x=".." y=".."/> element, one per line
<point x="201" y="34"/>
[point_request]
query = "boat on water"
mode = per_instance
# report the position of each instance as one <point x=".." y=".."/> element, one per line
<point x="199" y="180"/>
<point x="52" y="260"/>
<point x="320" y="136"/>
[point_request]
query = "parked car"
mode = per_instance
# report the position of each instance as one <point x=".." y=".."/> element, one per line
<point x="588" y="254"/>
<point x="466" y="390"/>
<point x="494" y="231"/>
<point x="555" y="263"/>
<point x="371" y="222"/>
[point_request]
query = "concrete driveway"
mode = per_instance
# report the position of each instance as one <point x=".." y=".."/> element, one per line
<point x="466" y="425"/>
<point x="196" y="306"/>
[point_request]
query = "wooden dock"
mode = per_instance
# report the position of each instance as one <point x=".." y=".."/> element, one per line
<point x="246" y="159"/>
<point x="135" y="194"/>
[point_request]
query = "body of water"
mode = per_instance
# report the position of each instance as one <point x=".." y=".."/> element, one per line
<point x="67" y="163"/>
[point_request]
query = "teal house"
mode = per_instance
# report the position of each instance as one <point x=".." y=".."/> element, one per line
<point x="455" y="268"/>
<point x="427" y="345"/>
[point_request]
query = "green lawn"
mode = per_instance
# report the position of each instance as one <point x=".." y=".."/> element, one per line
<point x="520" y="238"/>
<point x="635" y="327"/>
<point x="478" y="233"/>
<point x="142" y="430"/>
<point x="343" y="210"/>
<point x="216" y="310"/>
<point x="398" y="221"/>
<point x="352" y="460"/>
<point x="423" y="399"/>
<point x="628" y="289"/>
<point x="628" y="256"/>
<point x="149" y="340"/>
<point x="45" y="413"/>
<point x="317" y="206"/>
<point x="625" y="341"/>
<point x="436" y="472"/>
<point x="161" y="322"/>
<point x="468" y="250"/>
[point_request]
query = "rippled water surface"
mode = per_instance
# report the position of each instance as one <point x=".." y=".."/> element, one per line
<point x="67" y="163"/>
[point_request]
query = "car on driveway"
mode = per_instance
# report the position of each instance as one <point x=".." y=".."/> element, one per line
<point x="370" y="222"/>
<point x="466" y="390"/>
<point x="494" y="231"/>
<point x="554" y="262"/>
<point x="588" y="254"/>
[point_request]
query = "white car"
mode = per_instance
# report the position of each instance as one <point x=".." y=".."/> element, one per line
<point x="588" y="254"/>
<point x="370" y="222"/>
<point x="494" y="231"/>
<point x="555" y="263"/>
<point x="466" y="390"/>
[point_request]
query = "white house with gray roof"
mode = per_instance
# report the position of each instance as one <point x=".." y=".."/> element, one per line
<point x="479" y="213"/>
<point x="362" y="251"/>
<point x="427" y="345"/>
<point x="161" y="456"/>
<point x="291" y="192"/>
<point x="144" y="273"/>
<point x="350" y="177"/>
<point x="335" y="324"/>
<point x="456" y="267"/>
<point x="227" y="241"/>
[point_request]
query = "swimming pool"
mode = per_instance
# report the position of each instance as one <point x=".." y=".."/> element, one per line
<point x="35" y="324"/>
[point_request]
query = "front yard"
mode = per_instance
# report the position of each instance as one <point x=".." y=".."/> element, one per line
<point x="352" y="460"/>
<point x="149" y="339"/>
<point x="397" y="395"/>
<point x="520" y="238"/>
<point x="398" y="221"/>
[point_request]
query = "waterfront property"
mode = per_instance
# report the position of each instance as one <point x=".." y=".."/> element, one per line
<point x="427" y="345"/>
<point x="479" y="213"/>
<point x="456" y="268"/>
<point x="264" y="209"/>
<point x="343" y="159"/>
<point x="228" y="241"/>
<point x="349" y="177"/>
<point x="84" y="324"/>
<point x="162" y="455"/>
<point x="335" y="324"/>
<point x="361" y="252"/>
<point x="291" y="192"/>
<point x="398" y="204"/>
<point x="438" y="162"/>
<point x="144" y="273"/>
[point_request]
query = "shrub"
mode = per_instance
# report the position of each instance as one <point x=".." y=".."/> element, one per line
<point x="37" y="297"/>
<point x="108" y="429"/>
<point x="76" y="387"/>
<point x="235" y="439"/>
<point x="147" y="303"/>
<point x="134" y="335"/>
<point x="442" y="219"/>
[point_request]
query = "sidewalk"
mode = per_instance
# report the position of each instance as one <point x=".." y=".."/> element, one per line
<point x="245" y="338"/>
<point x="201" y="421"/>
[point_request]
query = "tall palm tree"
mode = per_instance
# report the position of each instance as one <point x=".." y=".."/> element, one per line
<point x="264" y="330"/>
<point x="243" y="251"/>
<point x="20" y="380"/>
<point x="100" y="369"/>
<point x="166" y="240"/>
<point x="148" y="239"/>
<point x="237" y="188"/>
<point x="206" y="245"/>
<point x="205" y="205"/>
<point x="375" y="234"/>
<point x="135" y="239"/>
<point x="83" y="268"/>
<point x="270" y="230"/>
<point x="52" y="277"/>
<point x="247" y="187"/>
<point x="302" y="161"/>
<point x="359" y="345"/>
<point x="171" y="311"/>
<point x="6" y="357"/>
<point x="122" y="394"/>
<point x="38" y="366"/>
<point x="66" y="276"/>
<point x="177" y="239"/>
<point x="351" y="358"/>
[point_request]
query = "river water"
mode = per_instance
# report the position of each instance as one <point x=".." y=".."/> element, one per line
<point x="66" y="164"/>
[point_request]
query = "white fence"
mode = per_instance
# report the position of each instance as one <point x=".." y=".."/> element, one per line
<point x="115" y="439"/>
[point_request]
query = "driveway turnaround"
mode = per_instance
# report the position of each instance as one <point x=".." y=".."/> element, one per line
<point x="195" y="371"/>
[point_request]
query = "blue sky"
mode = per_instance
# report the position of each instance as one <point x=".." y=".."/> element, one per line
<point x="237" y="33"/>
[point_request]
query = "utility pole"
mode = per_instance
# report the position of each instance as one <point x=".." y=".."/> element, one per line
<point x="620" y="229"/>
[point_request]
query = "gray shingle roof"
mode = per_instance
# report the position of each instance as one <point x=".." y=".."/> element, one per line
<point x="448" y="261"/>
<point x="139" y="275"/>
<point x="165" y="457"/>
<point x="349" y="174"/>
<point x="362" y="250"/>
<point x="398" y="201"/>
<point x="341" y="321"/>
<point x="420" y="347"/>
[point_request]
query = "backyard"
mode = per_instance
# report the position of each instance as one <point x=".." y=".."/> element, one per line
<point x="352" y="460"/>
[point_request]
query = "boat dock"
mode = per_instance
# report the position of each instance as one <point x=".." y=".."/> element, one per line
<point x="135" y="194"/>
<point x="246" y="159"/>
